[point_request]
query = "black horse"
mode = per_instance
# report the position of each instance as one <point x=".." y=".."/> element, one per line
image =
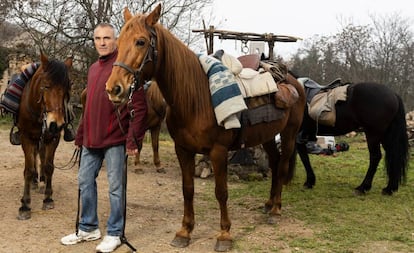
<point x="377" y="111"/>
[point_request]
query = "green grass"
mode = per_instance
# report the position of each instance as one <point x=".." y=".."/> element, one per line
<point x="341" y="221"/>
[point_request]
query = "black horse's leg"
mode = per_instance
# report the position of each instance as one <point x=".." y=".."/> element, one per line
<point x="187" y="165"/>
<point x="304" y="157"/>
<point x="374" y="149"/>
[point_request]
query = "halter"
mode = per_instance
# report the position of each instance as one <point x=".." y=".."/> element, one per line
<point x="150" y="56"/>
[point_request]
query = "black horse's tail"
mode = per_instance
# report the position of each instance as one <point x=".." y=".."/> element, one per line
<point x="396" y="148"/>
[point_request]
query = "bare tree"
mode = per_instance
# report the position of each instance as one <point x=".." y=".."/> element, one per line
<point x="381" y="52"/>
<point x="65" y="27"/>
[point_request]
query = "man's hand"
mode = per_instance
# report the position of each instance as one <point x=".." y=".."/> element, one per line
<point x="132" y="152"/>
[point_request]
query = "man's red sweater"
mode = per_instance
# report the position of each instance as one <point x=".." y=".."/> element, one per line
<point x="100" y="126"/>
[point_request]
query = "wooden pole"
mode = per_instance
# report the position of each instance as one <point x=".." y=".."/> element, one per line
<point x="211" y="40"/>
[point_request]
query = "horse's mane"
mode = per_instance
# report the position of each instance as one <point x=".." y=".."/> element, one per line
<point x="188" y="85"/>
<point x="58" y="73"/>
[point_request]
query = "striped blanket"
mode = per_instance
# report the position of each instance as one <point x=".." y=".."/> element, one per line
<point x="225" y="92"/>
<point x="10" y="100"/>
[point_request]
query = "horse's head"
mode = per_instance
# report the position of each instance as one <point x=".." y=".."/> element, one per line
<point x="137" y="54"/>
<point x="53" y="85"/>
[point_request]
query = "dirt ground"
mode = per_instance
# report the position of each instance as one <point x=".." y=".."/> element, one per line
<point x="154" y="210"/>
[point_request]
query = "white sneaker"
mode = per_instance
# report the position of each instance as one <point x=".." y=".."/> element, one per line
<point x="108" y="244"/>
<point x="81" y="236"/>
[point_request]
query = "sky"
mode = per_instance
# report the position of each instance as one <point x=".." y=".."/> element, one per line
<point x="300" y="18"/>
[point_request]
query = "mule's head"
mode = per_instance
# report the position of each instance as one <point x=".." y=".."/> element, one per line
<point x="137" y="54"/>
<point x="52" y="79"/>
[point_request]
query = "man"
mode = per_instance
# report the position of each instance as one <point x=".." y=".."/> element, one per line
<point x="104" y="132"/>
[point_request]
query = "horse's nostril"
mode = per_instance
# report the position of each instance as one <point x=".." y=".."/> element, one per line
<point x="117" y="90"/>
<point x="53" y="127"/>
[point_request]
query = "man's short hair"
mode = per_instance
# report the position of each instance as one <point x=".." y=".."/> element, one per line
<point x="107" y="25"/>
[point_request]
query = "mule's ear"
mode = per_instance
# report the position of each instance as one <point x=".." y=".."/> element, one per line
<point x="68" y="62"/>
<point x="127" y="14"/>
<point x="154" y="16"/>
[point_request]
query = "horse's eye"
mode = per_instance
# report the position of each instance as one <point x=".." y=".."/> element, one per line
<point x="140" y="42"/>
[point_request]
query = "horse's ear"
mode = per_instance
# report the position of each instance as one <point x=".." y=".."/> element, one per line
<point x="68" y="62"/>
<point x="44" y="59"/>
<point x="127" y="14"/>
<point x="154" y="16"/>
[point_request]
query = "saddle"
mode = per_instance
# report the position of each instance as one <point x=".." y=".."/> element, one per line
<point x="321" y="99"/>
<point x="285" y="95"/>
<point x="312" y="87"/>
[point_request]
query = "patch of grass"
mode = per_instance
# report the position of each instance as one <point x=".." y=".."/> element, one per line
<point x="341" y="221"/>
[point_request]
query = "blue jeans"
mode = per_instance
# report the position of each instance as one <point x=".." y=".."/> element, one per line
<point x="90" y="165"/>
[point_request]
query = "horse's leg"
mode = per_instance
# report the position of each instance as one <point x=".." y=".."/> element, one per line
<point x="304" y="157"/>
<point x="35" y="179"/>
<point x="374" y="149"/>
<point x="187" y="164"/>
<point x="218" y="157"/>
<point x="29" y="170"/>
<point x="155" y="135"/>
<point x="47" y="164"/>
<point x="273" y="156"/>
<point x="282" y="170"/>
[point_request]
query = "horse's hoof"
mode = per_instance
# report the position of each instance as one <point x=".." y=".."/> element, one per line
<point x="359" y="192"/>
<point x="387" y="192"/>
<point x="222" y="246"/>
<point x="24" y="215"/>
<point x="48" y="204"/>
<point x="180" y="242"/>
<point x="273" y="219"/>
<point x="308" y="186"/>
<point x="161" y="170"/>
<point x="266" y="209"/>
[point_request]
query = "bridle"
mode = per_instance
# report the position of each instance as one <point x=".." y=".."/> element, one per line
<point x="150" y="56"/>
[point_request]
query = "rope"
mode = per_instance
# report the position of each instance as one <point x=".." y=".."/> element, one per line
<point x="123" y="238"/>
<point x="73" y="160"/>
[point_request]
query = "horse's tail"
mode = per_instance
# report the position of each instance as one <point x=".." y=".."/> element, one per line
<point x="396" y="148"/>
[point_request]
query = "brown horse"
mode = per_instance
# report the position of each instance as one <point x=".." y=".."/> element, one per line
<point x="147" y="50"/>
<point x="40" y="120"/>
<point x="157" y="109"/>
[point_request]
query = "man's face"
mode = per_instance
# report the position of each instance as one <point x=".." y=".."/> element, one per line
<point x="104" y="39"/>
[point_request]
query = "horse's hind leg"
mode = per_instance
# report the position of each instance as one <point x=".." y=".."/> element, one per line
<point x="282" y="165"/>
<point x="218" y="156"/>
<point x="374" y="149"/>
<point x="155" y="135"/>
<point x="274" y="205"/>
<point x="273" y="156"/>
